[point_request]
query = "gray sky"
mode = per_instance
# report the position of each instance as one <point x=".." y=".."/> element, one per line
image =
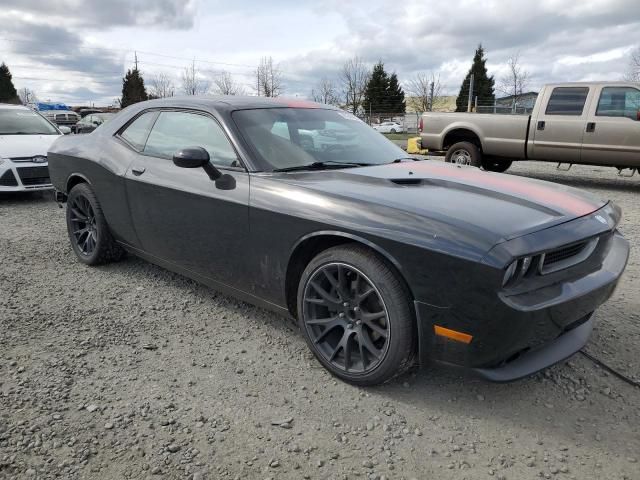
<point x="77" y="51"/>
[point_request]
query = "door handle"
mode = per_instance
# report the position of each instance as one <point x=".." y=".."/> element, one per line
<point x="137" y="171"/>
<point x="591" y="127"/>
<point x="541" y="125"/>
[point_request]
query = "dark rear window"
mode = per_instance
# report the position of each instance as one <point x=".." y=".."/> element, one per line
<point x="567" y="101"/>
<point x="137" y="132"/>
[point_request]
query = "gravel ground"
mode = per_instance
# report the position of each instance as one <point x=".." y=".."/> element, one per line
<point x="129" y="371"/>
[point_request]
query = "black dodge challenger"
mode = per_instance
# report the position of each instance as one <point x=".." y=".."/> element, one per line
<point x="383" y="260"/>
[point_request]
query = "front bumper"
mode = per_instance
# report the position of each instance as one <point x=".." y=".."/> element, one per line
<point x="24" y="176"/>
<point x="515" y="335"/>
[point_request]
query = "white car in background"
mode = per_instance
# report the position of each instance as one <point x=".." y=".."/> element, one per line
<point x="25" y="138"/>
<point x="388" y="127"/>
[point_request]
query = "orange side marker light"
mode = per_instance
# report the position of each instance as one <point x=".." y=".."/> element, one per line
<point x="452" y="334"/>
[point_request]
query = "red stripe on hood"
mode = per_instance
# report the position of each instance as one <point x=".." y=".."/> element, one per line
<point x="510" y="184"/>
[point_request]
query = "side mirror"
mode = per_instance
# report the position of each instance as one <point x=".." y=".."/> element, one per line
<point x="191" y="157"/>
<point x="198" y="157"/>
<point x="64" y="129"/>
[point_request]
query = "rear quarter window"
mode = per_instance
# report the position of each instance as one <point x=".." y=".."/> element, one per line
<point x="137" y="132"/>
<point x="567" y="101"/>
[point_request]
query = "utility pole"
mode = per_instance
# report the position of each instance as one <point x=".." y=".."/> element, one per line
<point x="470" y="92"/>
<point x="430" y="103"/>
<point x="136" y="59"/>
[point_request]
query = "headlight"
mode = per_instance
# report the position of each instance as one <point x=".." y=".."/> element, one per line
<point x="2" y="160"/>
<point x="508" y="275"/>
<point x="519" y="268"/>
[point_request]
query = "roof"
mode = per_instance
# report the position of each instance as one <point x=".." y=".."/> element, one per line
<point x="616" y="83"/>
<point x="234" y="102"/>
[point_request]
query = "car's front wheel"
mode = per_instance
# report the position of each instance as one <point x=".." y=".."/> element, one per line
<point x="88" y="231"/>
<point x="355" y="314"/>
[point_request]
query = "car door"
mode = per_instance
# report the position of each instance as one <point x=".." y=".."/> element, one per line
<point x="559" y="128"/>
<point x="179" y="215"/>
<point x="612" y="133"/>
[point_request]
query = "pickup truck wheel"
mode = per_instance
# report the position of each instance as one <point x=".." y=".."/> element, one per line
<point x="464" y="153"/>
<point x="496" y="165"/>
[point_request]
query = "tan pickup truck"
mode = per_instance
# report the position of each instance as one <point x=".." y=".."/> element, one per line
<point x="594" y="123"/>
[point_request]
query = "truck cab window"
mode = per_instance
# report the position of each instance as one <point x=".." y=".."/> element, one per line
<point x="567" y="101"/>
<point x="619" y="102"/>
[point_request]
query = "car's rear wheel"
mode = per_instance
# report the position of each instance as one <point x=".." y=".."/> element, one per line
<point x="355" y="314"/>
<point x="495" y="164"/>
<point x="464" y="153"/>
<point x="88" y="231"/>
<point x="393" y="130"/>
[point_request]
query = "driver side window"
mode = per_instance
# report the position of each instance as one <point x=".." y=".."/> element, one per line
<point x="175" y="130"/>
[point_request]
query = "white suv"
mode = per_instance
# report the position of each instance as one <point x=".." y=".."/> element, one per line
<point x="25" y="137"/>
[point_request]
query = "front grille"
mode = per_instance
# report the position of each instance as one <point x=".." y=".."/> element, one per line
<point x="8" y="179"/>
<point x="34" y="175"/>
<point x="65" y="119"/>
<point x="560" y="254"/>
<point x="568" y="256"/>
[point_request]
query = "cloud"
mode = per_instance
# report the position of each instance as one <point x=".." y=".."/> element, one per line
<point x="90" y="42"/>
<point x="108" y="13"/>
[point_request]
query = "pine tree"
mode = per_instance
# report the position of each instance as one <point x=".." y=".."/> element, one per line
<point x="376" y="93"/>
<point x="8" y="93"/>
<point x="482" y="84"/>
<point x="396" y="96"/>
<point x="133" y="90"/>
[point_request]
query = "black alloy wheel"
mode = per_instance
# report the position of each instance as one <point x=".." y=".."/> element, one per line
<point x="85" y="232"/>
<point x="88" y="230"/>
<point x="346" y="318"/>
<point x="356" y="315"/>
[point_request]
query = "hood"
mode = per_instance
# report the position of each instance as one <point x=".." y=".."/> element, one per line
<point x="12" y="146"/>
<point x="496" y="207"/>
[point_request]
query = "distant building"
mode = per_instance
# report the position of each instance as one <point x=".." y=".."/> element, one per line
<point x="442" y="104"/>
<point x="516" y="104"/>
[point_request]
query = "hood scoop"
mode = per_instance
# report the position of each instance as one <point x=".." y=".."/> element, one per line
<point x="407" y="182"/>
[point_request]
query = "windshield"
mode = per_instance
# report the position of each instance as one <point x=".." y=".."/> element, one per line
<point x="285" y="138"/>
<point x="18" y="121"/>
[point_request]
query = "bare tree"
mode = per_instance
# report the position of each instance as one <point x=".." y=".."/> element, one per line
<point x="514" y="83"/>
<point x="27" y="96"/>
<point x="268" y="79"/>
<point x="192" y="81"/>
<point x="162" y="86"/>
<point x="224" y="84"/>
<point x="426" y="90"/>
<point x="633" y="71"/>
<point x="354" y="78"/>
<point x="325" y="92"/>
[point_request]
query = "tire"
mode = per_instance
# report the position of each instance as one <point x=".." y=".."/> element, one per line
<point x="95" y="245"/>
<point x="393" y="130"/>
<point x="464" y="153"/>
<point x="496" y="164"/>
<point x="362" y="328"/>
